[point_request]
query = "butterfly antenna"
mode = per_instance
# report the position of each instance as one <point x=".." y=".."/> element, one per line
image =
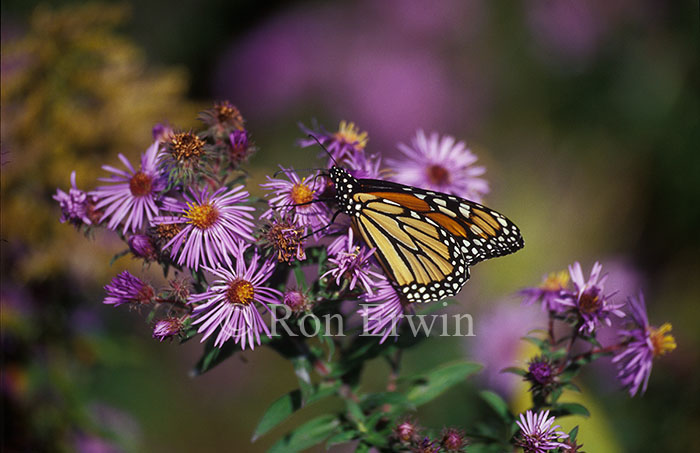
<point x="325" y="149"/>
<point x="323" y="227"/>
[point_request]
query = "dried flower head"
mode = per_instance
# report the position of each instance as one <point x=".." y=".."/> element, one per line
<point x="285" y="238"/>
<point x="185" y="147"/>
<point x="453" y="440"/>
<point x="296" y="300"/>
<point x="406" y="431"/>
<point x="224" y="115"/>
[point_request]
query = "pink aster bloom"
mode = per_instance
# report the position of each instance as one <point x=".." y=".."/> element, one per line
<point x="538" y="434"/>
<point x="382" y="310"/>
<point x="440" y="164"/>
<point x="127" y="289"/>
<point x="643" y="344"/>
<point x="351" y="262"/>
<point x="298" y="198"/>
<point x="363" y="166"/>
<point x="346" y="143"/>
<point x="588" y="300"/>
<point x="553" y="287"/>
<point x="133" y="195"/>
<point x="210" y="225"/>
<point x="230" y="307"/>
<point x="76" y="205"/>
<point x="167" y="328"/>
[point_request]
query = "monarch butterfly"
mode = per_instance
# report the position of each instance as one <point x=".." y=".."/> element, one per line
<point x="425" y="241"/>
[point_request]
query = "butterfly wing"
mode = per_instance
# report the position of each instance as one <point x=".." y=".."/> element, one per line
<point x="426" y="240"/>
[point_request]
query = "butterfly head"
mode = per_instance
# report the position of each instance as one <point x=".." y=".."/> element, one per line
<point x="345" y="186"/>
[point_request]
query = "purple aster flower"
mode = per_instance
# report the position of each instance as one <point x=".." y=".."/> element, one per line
<point x="540" y="371"/>
<point x="643" y="344"/>
<point x="553" y="287"/>
<point x="241" y="146"/>
<point x="537" y="435"/>
<point x="363" y="166"/>
<point x="167" y="328"/>
<point x="438" y="163"/>
<point x="592" y="306"/>
<point x="142" y="247"/>
<point x="127" y="289"/>
<point x="351" y="262"/>
<point x="298" y="198"/>
<point x="161" y="133"/>
<point x="348" y="142"/>
<point x="382" y="310"/>
<point x="133" y="194"/>
<point x="77" y="206"/>
<point x="211" y="224"/>
<point x="230" y="304"/>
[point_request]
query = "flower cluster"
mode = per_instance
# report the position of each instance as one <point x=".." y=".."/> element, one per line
<point x="186" y="207"/>
<point x="584" y="307"/>
<point x="234" y="265"/>
<point x="407" y="435"/>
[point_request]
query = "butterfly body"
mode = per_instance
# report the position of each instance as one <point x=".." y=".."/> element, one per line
<point x="425" y="241"/>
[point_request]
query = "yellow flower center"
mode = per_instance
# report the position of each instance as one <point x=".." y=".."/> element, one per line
<point x="301" y="193"/>
<point x="202" y="216"/>
<point x="186" y="146"/>
<point x="240" y="292"/>
<point x="661" y="340"/>
<point x="140" y="184"/>
<point x="350" y="134"/>
<point x="555" y="281"/>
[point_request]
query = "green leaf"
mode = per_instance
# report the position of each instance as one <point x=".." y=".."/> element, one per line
<point x="213" y="356"/>
<point x="573" y="433"/>
<point x="310" y="433"/>
<point x="278" y="412"/>
<point x="514" y="370"/>
<point x="300" y="278"/>
<point x="397" y="401"/>
<point x="497" y="404"/>
<point x="572" y="409"/>
<point x="341" y="438"/>
<point x="287" y="404"/>
<point x="428" y="386"/>
<point x="362" y="448"/>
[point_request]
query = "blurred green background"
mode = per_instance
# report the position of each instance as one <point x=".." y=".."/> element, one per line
<point x="586" y="115"/>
